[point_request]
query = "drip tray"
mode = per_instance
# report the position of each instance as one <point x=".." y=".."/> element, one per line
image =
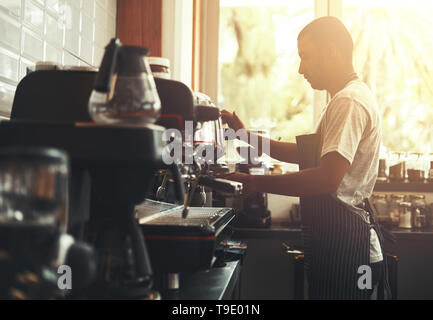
<point x="176" y="244"/>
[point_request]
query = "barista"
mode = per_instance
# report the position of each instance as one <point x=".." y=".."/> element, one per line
<point x="338" y="234"/>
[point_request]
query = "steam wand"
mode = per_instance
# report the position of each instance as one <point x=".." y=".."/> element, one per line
<point x="187" y="201"/>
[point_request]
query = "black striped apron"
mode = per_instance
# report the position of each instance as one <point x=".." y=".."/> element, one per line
<point x="336" y="240"/>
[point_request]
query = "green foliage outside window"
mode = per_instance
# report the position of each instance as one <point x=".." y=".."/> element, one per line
<point x="261" y="84"/>
<point x="393" y="54"/>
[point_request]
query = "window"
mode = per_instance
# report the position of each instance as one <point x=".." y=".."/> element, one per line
<point x="393" y="55"/>
<point x="259" y="62"/>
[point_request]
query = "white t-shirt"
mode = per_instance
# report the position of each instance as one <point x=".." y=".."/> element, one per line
<point x="351" y="125"/>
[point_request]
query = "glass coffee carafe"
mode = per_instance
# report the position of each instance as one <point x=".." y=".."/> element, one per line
<point x="125" y="91"/>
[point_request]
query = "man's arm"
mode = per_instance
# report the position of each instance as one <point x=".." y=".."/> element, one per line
<point x="324" y="179"/>
<point x="281" y="151"/>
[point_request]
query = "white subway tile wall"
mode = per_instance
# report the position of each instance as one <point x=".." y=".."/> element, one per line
<point x="67" y="32"/>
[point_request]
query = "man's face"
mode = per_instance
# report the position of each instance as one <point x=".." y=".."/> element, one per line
<point x="312" y="65"/>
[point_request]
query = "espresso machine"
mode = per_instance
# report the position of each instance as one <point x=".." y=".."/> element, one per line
<point x="199" y="123"/>
<point x="103" y="121"/>
<point x="182" y="237"/>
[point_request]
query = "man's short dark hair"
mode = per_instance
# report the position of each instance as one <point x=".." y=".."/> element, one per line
<point x="325" y="30"/>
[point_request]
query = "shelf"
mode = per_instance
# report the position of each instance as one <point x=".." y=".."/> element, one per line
<point x="405" y="186"/>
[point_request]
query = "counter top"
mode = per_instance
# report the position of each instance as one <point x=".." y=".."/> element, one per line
<point x="424" y="231"/>
<point x="404" y="186"/>
<point x="285" y="232"/>
<point x="218" y="283"/>
<point x="275" y="231"/>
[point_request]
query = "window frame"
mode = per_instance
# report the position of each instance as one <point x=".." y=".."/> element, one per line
<point x="176" y="42"/>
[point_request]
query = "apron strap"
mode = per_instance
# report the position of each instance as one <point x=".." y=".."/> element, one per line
<point x="384" y="292"/>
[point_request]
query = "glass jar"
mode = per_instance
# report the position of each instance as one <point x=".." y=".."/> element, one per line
<point x="418" y="200"/>
<point x="397" y="166"/>
<point x="419" y="210"/>
<point x="380" y="203"/>
<point x="394" y="213"/>
<point x="405" y="215"/>
<point x="415" y="167"/>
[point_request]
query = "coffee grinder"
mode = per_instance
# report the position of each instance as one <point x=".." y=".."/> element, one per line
<point x="34" y="245"/>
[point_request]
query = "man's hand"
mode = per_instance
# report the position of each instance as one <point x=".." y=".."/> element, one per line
<point x="247" y="181"/>
<point x="232" y="120"/>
